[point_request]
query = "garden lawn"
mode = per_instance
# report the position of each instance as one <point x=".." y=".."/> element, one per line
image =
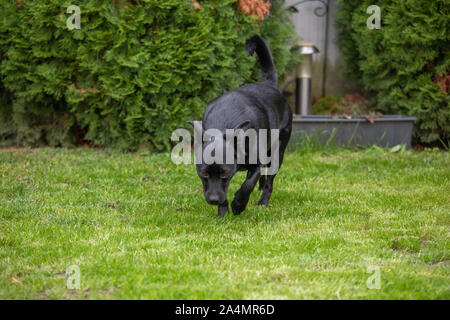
<point x="137" y="226"/>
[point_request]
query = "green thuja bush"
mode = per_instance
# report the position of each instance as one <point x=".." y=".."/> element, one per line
<point x="400" y="66"/>
<point x="134" y="72"/>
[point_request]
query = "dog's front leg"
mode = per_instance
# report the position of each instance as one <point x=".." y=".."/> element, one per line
<point x="223" y="209"/>
<point x="243" y="194"/>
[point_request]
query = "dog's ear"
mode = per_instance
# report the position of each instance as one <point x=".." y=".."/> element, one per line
<point x="243" y="125"/>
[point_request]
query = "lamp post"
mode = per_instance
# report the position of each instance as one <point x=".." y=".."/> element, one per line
<point x="303" y="79"/>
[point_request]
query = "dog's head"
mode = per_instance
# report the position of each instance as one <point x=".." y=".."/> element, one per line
<point x="216" y="175"/>
<point x="216" y="179"/>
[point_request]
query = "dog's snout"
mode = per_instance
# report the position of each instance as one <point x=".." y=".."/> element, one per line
<point x="213" y="199"/>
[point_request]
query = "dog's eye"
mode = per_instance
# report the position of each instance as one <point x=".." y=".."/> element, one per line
<point x="204" y="174"/>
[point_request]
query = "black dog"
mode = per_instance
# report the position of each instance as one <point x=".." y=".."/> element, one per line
<point x="258" y="106"/>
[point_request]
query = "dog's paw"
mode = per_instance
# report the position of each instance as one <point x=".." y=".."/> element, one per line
<point x="263" y="202"/>
<point x="237" y="208"/>
<point x="223" y="210"/>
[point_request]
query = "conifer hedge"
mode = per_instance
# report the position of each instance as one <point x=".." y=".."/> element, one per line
<point x="404" y="66"/>
<point x="134" y="72"/>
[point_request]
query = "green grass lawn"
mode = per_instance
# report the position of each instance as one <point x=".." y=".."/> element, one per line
<point x="138" y="227"/>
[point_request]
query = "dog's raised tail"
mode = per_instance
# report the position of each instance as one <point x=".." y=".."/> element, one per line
<point x="258" y="44"/>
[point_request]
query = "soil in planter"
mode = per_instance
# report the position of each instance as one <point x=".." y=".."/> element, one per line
<point x="348" y="105"/>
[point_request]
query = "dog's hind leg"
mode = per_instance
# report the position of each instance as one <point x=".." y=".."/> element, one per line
<point x="267" y="191"/>
<point x="262" y="181"/>
<point x="268" y="182"/>
<point x="242" y="196"/>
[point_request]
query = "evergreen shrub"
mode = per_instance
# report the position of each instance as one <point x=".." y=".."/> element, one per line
<point x="132" y="73"/>
<point x="404" y="65"/>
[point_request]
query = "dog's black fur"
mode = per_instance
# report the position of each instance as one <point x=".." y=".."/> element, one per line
<point x="259" y="106"/>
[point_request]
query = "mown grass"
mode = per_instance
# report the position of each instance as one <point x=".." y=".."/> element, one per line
<point x="138" y="227"/>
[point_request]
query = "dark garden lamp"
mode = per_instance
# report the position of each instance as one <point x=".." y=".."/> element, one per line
<point x="303" y="79"/>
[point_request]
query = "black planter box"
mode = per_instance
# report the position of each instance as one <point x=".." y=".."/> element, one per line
<point x="386" y="131"/>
